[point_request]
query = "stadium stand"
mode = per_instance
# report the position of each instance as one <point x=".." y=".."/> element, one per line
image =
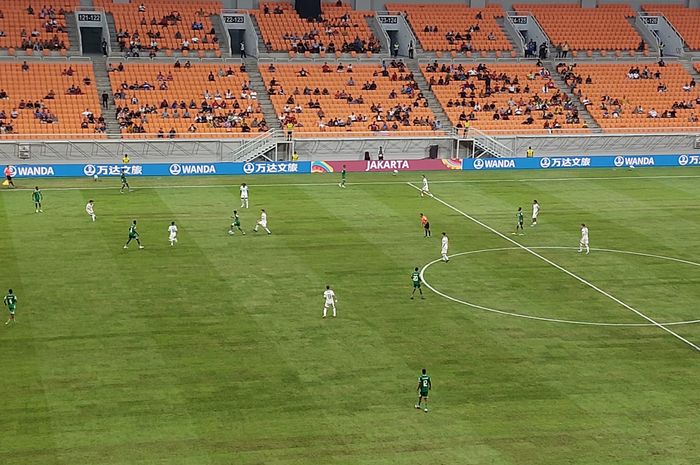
<point x="605" y="28"/>
<point x="46" y="101"/>
<point x="35" y="30"/>
<point x="458" y="28"/>
<point x="502" y="97"/>
<point x="146" y="26"/>
<point x="627" y="97"/>
<point x="685" y="20"/>
<point x="185" y="101"/>
<point x="341" y="30"/>
<point x="346" y="98"/>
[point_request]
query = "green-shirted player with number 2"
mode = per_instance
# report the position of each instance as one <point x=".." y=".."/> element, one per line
<point x="424" y="387"/>
<point x="415" y="278"/>
<point x="10" y="302"/>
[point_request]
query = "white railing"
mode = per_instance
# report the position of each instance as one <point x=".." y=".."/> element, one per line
<point x="488" y="144"/>
<point x="257" y="146"/>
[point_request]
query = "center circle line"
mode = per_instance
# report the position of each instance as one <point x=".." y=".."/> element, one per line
<point x="553" y="320"/>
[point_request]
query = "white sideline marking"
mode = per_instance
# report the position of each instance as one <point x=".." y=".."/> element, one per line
<point x="564" y="270"/>
<point x="369" y="183"/>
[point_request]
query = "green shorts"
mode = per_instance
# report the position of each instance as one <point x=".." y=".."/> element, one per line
<point x="11" y="310"/>
<point x="424" y="394"/>
<point x="133" y="236"/>
<point x="416" y="284"/>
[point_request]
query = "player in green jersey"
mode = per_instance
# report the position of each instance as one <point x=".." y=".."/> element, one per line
<point x="236" y="224"/>
<point x="343" y="177"/>
<point x="519" y="224"/>
<point x="37" y="197"/>
<point x="424" y="387"/>
<point x="133" y="235"/>
<point x="10" y="301"/>
<point x="415" y="278"/>
<point x="125" y="183"/>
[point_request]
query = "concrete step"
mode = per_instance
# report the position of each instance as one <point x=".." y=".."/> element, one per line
<point x="221" y="34"/>
<point x="433" y="103"/>
<point x="73" y="36"/>
<point x="264" y="100"/>
<point x="99" y="65"/>
<point x="582" y="111"/>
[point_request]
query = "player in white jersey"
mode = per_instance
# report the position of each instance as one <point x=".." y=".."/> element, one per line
<point x="583" y="243"/>
<point x="244" y="195"/>
<point x="443" y="247"/>
<point x="425" y="190"/>
<point x="329" y="295"/>
<point x="535" y="212"/>
<point x="172" y="230"/>
<point x="90" y="209"/>
<point x="262" y="222"/>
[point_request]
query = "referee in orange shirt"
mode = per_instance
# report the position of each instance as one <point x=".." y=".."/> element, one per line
<point x="426" y="224"/>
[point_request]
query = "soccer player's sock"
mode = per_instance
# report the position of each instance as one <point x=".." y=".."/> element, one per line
<point x="268" y="231"/>
<point x="324" y="312"/>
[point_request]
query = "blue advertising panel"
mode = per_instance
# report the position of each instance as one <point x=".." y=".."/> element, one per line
<point x="159" y="169"/>
<point x="617" y="161"/>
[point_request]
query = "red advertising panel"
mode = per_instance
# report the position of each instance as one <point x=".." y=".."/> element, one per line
<point x="386" y="165"/>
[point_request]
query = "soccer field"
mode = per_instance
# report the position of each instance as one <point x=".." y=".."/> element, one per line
<point x="214" y="352"/>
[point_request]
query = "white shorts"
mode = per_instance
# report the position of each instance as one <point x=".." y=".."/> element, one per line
<point x="263" y="224"/>
<point x="584" y="241"/>
<point x="443" y="251"/>
<point x="534" y="217"/>
<point x="172" y="236"/>
<point x="329" y="305"/>
<point x="244" y="197"/>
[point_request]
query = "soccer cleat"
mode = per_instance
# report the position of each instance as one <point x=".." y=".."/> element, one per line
<point x="140" y="247"/>
<point x="126" y="246"/>
<point x="411" y="297"/>
<point x="426" y="410"/>
<point x="418" y="406"/>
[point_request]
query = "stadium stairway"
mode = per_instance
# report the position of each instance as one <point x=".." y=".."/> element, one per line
<point x="582" y="111"/>
<point x="653" y="46"/>
<point x="516" y="46"/>
<point x="221" y="33"/>
<point x="261" y="43"/>
<point x="433" y="103"/>
<point x="379" y="34"/>
<point x="73" y="38"/>
<point x="257" y="83"/>
<point x="688" y="65"/>
<point x="111" y="25"/>
<point x="99" y="65"/>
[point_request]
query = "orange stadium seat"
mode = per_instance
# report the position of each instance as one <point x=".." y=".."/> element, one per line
<point x="281" y="31"/>
<point x="529" y="96"/>
<point x="685" y="20"/>
<point x="18" y="25"/>
<point x="611" y="90"/>
<point x="308" y="119"/>
<point x="585" y="29"/>
<point x="34" y="85"/>
<point x="185" y="85"/>
<point x="128" y="18"/>
<point x="457" y="19"/>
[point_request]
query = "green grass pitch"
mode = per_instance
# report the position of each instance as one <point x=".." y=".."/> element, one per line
<point x="214" y="352"/>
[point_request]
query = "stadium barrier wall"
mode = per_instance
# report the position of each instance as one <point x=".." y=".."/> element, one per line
<point x="611" y="161"/>
<point x="306" y="167"/>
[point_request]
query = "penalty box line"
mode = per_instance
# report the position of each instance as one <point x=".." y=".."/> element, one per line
<point x="562" y="269"/>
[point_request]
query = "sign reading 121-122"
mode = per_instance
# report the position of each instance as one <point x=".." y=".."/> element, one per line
<point x="89" y="17"/>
